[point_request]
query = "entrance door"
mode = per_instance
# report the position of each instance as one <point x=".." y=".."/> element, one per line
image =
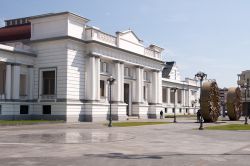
<point x="126" y="97"/>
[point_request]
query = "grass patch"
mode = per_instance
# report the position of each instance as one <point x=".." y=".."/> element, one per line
<point x="129" y="124"/>
<point x="186" y="116"/>
<point x="229" y="127"/>
<point x="27" y="122"/>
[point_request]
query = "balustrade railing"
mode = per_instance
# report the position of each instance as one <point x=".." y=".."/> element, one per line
<point x="96" y="34"/>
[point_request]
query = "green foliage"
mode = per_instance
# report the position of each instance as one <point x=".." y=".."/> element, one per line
<point x="128" y="124"/>
<point x="229" y="127"/>
<point x="186" y="116"/>
<point x="26" y="122"/>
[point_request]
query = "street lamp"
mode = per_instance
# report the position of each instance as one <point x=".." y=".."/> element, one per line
<point x="244" y="85"/>
<point x="110" y="80"/>
<point x="174" y="90"/>
<point x="200" y="76"/>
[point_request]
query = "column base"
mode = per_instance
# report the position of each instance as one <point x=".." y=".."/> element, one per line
<point x="140" y="110"/>
<point x="154" y="111"/>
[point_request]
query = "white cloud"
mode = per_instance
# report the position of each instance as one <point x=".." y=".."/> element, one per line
<point x="107" y="13"/>
<point x="2" y="22"/>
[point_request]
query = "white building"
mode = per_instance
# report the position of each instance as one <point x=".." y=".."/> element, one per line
<point x="186" y="97"/>
<point x="55" y="66"/>
<point x="244" y="79"/>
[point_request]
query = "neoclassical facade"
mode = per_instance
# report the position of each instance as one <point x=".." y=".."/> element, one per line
<point x="55" y="66"/>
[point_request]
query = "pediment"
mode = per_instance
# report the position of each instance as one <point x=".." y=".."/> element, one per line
<point x="129" y="35"/>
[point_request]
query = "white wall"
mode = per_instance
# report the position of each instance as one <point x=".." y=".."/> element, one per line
<point x="51" y="55"/>
<point x="129" y="42"/>
<point x="56" y="26"/>
<point x="75" y="74"/>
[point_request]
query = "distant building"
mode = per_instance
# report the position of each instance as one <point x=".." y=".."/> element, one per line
<point x="187" y="95"/>
<point x="56" y="66"/>
<point x="244" y="78"/>
<point x="223" y="101"/>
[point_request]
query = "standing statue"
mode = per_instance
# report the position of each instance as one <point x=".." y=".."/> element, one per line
<point x="234" y="105"/>
<point x="210" y="101"/>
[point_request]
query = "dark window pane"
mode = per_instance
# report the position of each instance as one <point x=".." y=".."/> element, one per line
<point x="24" y="109"/>
<point x="47" y="109"/>
<point x="49" y="82"/>
<point x="102" y="88"/>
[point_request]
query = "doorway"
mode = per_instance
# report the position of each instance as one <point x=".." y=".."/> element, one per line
<point x="126" y="97"/>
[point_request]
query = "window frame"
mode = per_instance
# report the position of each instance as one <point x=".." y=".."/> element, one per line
<point x="41" y="70"/>
<point x="127" y="73"/>
<point x="164" y="96"/>
<point x="103" y="89"/>
<point x="25" y="85"/>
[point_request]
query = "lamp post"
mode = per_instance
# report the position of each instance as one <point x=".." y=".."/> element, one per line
<point x="110" y="80"/>
<point x="174" y="90"/>
<point x="200" y="76"/>
<point x="244" y="85"/>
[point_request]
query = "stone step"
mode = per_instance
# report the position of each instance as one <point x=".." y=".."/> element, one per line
<point x="132" y="117"/>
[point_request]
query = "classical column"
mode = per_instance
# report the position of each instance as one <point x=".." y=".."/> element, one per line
<point x="91" y="79"/>
<point x="183" y="97"/>
<point x="154" y="87"/>
<point x="168" y="95"/>
<point x="8" y="81"/>
<point x="176" y="99"/>
<point x="139" y="84"/>
<point x="16" y="81"/>
<point x="118" y="82"/>
<point x="122" y="81"/>
<point x="97" y="63"/>
<point x="159" y="81"/>
<point x="30" y="82"/>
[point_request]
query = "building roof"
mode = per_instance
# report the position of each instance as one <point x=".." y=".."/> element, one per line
<point x="167" y="69"/>
<point x="55" y="14"/>
<point x="19" y="32"/>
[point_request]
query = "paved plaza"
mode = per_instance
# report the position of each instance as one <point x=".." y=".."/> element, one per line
<point x="95" y="144"/>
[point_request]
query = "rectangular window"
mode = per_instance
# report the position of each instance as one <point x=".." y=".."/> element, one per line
<point x="180" y="110"/>
<point x="166" y="110"/>
<point x="193" y="92"/>
<point x="24" y="109"/>
<point x="173" y="110"/>
<point x="22" y="89"/>
<point x="48" y="82"/>
<point x="179" y="94"/>
<point x="145" y="76"/>
<point x="164" y="95"/>
<point x="172" y="96"/>
<point x="102" y="87"/>
<point x="104" y="67"/>
<point x="0" y="109"/>
<point x="2" y="79"/>
<point x="127" y="72"/>
<point x="46" y="109"/>
<point x="144" y="93"/>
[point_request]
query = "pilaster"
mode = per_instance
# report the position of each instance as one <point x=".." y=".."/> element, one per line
<point x="8" y="81"/>
<point x="16" y="81"/>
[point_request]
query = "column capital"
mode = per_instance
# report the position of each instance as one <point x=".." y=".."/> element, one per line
<point x="117" y="61"/>
<point x="8" y="63"/>
<point x="16" y="64"/>
<point x="92" y="55"/>
<point x="30" y="66"/>
<point x="153" y="70"/>
<point x="13" y="63"/>
<point x="138" y="66"/>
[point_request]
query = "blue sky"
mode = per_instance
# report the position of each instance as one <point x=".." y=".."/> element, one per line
<point x="208" y="35"/>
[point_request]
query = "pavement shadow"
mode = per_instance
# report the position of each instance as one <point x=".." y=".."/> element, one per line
<point x="157" y="157"/>
<point x="124" y="156"/>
